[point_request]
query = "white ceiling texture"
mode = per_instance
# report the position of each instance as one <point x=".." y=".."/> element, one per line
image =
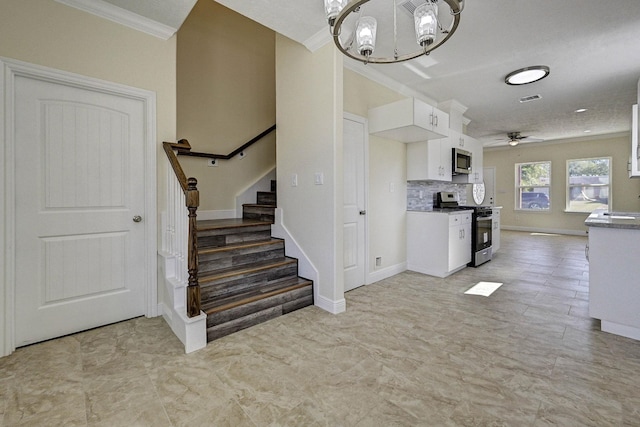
<point x="591" y="46"/>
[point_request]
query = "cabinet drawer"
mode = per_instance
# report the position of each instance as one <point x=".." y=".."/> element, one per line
<point x="460" y="219"/>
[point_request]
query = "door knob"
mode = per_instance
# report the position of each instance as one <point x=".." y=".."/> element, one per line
<point x="137" y="218"/>
<point x="363" y="212"/>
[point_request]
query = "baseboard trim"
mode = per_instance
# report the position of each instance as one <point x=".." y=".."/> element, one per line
<point x="191" y="331"/>
<point x="333" y="307"/>
<point x="386" y="272"/>
<point x="544" y="230"/>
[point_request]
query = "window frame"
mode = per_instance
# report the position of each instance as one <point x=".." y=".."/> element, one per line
<point x="518" y="188"/>
<point x="568" y="185"/>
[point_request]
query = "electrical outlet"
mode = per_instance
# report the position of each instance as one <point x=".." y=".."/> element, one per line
<point x="212" y="162"/>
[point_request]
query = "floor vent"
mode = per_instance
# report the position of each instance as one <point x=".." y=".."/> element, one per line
<point x="530" y="98"/>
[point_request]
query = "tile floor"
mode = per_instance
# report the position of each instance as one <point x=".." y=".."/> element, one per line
<point x="411" y="350"/>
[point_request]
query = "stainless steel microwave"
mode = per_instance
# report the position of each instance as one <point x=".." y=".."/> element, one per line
<point x="461" y="161"/>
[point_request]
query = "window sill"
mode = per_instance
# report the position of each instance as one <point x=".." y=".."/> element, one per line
<point x="545" y="211"/>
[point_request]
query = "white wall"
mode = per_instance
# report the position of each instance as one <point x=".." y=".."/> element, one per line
<point x="309" y="117"/>
<point x="625" y="194"/>
<point x="225" y="99"/>
<point x="47" y="33"/>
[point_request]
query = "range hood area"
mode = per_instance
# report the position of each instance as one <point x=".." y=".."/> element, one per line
<point x="408" y="120"/>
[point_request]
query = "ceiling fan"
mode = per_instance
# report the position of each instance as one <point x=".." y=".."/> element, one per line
<point x="515" y="138"/>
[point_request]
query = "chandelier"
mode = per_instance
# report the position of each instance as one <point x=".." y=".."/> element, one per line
<point x="406" y="37"/>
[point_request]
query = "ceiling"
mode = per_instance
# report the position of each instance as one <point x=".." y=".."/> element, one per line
<point x="591" y="46"/>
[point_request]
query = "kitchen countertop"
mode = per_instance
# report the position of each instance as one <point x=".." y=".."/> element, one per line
<point x="442" y="210"/>
<point x="606" y="219"/>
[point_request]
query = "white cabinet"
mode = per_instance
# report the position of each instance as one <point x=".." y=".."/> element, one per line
<point x="634" y="162"/>
<point x="438" y="243"/>
<point x="408" y="120"/>
<point x="459" y="240"/>
<point x="474" y="146"/>
<point x="429" y="160"/>
<point x="614" y="288"/>
<point x="495" y="229"/>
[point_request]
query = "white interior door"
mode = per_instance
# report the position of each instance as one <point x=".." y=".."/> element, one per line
<point x="354" y="203"/>
<point x="489" y="176"/>
<point x="79" y="183"/>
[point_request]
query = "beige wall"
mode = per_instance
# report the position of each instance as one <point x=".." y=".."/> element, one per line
<point x="309" y="117"/>
<point x="48" y="33"/>
<point x="387" y="165"/>
<point x="625" y="191"/>
<point x="226" y="96"/>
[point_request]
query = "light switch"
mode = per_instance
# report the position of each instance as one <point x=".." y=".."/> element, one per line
<point x="392" y="187"/>
<point x="319" y="178"/>
<point x="294" y="179"/>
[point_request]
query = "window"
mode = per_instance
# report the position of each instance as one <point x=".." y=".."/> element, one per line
<point x="588" y="184"/>
<point x="533" y="182"/>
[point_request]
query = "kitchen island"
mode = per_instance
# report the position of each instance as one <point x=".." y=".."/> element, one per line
<point x="613" y="252"/>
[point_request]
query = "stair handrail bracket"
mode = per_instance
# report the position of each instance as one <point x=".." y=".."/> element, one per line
<point x="192" y="201"/>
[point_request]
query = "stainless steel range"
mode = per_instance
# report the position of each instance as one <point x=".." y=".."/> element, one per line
<point x="480" y="226"/>
<point x="481" y="250"/>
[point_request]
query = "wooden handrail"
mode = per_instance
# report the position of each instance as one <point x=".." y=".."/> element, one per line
<point x="192" y="201"/>
<point x="184" y="148"/>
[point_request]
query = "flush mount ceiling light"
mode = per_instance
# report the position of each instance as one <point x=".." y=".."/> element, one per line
<point x="527" y="75"/>
<point x="417" y="30"/>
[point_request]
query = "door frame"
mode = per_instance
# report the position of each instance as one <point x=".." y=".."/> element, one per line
<point x="9" y="70"/>
<point x="365" y="125"/>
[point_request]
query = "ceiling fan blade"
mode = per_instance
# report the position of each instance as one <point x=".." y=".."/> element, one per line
<point x="530" y="139"/>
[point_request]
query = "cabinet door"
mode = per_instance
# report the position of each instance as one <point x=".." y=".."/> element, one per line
<point x="459" y="241"/>
<point x="495" y="231"/>
<point x="445" y="159"/>
<point x="634" y="163"/>
<point x="440" y="122"/>
<point x="477" y="157"/>
<point x="457" y="140"/>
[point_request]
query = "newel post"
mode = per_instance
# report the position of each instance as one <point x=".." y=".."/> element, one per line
<point x="193" y="288"/>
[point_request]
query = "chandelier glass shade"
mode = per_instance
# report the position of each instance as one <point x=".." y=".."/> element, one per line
<point x="408" y="28"/>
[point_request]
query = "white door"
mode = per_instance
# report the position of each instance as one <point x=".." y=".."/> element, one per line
<point x="489" y="177"/>
<point x="79" y="183"/>
<point x="354" y="203"/>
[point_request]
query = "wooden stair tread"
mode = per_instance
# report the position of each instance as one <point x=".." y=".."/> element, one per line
<point x="240" y="245"/>
<point x="246" y="269"/>
<point x="256" y="205"/>
<point x="215" y="224"/>
<point x="237" y="300"/>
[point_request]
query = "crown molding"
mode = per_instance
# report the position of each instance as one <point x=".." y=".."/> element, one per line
<point x="123" y="17"/>
<point x="317" y="40"/>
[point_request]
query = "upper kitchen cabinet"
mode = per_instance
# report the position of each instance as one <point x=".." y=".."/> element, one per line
<point x="634" y="162"/>
<point x="474" y="146"/>
<point x="409" y="120"/>
<point x="429" y="160"/>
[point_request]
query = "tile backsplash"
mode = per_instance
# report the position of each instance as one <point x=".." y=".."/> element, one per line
<point x="421" y="194"/>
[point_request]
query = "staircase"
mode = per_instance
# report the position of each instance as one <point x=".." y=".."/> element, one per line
<point x="245" y="278"/>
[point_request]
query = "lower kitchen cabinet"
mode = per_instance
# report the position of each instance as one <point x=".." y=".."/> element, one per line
<point x="495" y="229"/>
<point x="438" y="243"/>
